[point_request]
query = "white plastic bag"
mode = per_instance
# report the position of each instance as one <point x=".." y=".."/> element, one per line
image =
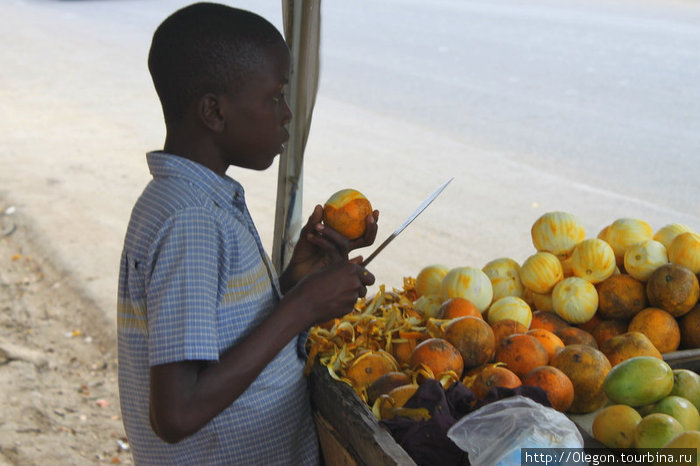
<point x="495" y="433"/>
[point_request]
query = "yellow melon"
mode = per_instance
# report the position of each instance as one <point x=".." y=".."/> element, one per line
<point x="504" y="274"/>
<point x="593" y="260"/>
<point x="429" y="279"/>
<point x="510" y="307"/>
<point x="468" y="283"/>
<point x="643" y="258"/>
<point x="575" y="300"/>
<point x="685" y="250"/>
<point x="557" y="232"/>
<point x="667" y="233"/>
<point x="541" y="271"/>
<point x="623" y="233"/>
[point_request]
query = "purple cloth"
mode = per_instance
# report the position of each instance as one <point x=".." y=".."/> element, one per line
<point x="426" y="441"/>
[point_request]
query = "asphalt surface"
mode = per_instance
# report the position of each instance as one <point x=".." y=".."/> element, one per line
<point x="591" y="107"/>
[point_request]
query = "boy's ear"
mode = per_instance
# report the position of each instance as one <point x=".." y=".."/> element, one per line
<point x="210" y="112"/>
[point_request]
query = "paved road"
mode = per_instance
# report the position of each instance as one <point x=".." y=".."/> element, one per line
<point x="602" y="92"/>
<point x="586" y="106"/>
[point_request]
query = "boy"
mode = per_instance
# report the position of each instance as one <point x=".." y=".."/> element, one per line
<point x="210" y="339"/>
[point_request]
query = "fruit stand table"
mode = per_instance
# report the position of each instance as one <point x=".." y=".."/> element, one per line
<point x="350" y="434"/>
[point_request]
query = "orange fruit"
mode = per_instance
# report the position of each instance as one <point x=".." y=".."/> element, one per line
<point x="620" y="297"/>
<point x="493" y="376"/>
<point x="557" y="385"/>
<point x="506" y="327"/>
<point x="458" y="307"/>
<point x="607" y="329"/>
<point x="385" y="384"/>
<point x="628" y="345"/>
<point x="547" y="320"/>
<point x="659" y="326"/>
<point x="346" y="212"/>
<point x="396" y="398"/>
<point x="403" y="346"/>
<point x="473" y="338"/>
<point x="551" y="342"/>
<point x="439" y="356"/>
<point x="576" y="336"/>
<point x="368" y="366"/>
<point x="589" y="325"/>
<point x="586" y="367"/>
<point x="521" y="353"/>
<point x="673" y="288"/>
<point x="429" y="279"/>
<point x="690" y="328"/>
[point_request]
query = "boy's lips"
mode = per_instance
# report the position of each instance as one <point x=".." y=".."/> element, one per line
<point x="285" y="138"/>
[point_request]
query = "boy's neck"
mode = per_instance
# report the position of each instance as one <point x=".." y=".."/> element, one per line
<point x="199" y="151"/>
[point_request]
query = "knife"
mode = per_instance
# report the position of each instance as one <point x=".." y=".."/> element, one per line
<point x="407" y="222"/>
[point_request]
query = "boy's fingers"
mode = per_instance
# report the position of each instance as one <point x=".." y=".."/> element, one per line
<point x="362" y="292"/>
<point x="316" y="216"/>
<point x="324" y="244"/>
<point x="340" y="242"/>
<point x="370" y="233"/>
<point x="366" y="277"/>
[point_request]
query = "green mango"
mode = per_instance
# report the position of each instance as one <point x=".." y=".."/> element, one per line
<point x="686" y="383"/>
<point x="639" y="381"/>
<point x="655" y="430"/>
<point x="683" y="410"/>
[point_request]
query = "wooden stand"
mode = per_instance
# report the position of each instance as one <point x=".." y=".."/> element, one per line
<point x="685" y="359"/>
<point x="351" y="436"/>
<point x="348" y="431"/>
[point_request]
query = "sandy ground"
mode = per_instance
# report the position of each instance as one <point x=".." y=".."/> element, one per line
<point x="58" y="394"/>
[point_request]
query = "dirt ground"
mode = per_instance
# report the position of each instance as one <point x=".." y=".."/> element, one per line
<point x="58" y="384"/>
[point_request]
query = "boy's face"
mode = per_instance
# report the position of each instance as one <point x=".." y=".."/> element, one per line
<point x="257" y="115"/>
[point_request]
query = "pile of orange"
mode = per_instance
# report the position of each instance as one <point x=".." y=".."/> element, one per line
<point x="391" y="344"/>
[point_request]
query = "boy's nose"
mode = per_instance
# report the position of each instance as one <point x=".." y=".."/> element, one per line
<point x="286" y="113"/>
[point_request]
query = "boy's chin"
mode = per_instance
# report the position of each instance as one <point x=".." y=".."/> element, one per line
<point x="264" y="164"/>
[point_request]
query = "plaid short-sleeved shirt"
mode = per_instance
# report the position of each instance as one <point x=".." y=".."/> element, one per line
<point x="194" y="279"/>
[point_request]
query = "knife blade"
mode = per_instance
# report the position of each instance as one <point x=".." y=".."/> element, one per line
<point x="408" y="221"/>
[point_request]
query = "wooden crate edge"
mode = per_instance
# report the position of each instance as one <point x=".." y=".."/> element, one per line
<point x="352" y="419"/>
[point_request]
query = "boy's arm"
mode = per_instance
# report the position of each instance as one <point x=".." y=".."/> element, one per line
<point x="186" y="395"/>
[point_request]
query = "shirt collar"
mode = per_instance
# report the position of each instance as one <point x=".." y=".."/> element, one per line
<point x="224" y="190"/>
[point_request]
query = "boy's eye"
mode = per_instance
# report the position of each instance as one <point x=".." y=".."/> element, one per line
<point x="277" y="98"/>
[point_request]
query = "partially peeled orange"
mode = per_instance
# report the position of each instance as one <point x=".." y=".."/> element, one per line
<point x="345" y="211"/>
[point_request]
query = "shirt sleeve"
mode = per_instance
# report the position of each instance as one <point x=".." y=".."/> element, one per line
<point x="187" y="259"/>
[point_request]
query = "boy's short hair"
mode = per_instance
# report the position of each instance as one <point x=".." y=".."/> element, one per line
<point x="205" y="47"/>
